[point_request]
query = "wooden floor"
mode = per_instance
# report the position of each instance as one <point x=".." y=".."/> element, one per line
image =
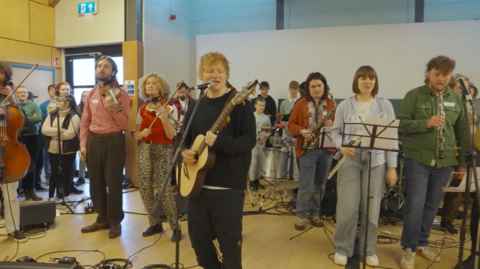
<point x="267" y="240"/>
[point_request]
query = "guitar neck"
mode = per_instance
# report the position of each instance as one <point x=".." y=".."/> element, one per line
<point x="218" y="123"/>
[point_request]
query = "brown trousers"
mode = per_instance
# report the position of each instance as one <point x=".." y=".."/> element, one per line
<point x="105" y="164"/>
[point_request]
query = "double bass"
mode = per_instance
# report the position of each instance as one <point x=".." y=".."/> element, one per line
<point x="14" y="157"/>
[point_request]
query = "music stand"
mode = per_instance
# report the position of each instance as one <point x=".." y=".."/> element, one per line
<point x="374" y="140"/>
<point x="325" y="141"/>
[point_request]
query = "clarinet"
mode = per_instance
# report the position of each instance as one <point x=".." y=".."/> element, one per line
<point x="441" y="130"/>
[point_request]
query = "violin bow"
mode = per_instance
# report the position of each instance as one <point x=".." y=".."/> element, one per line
<point x="18" y="86"/>
<point x="165" y="105"/>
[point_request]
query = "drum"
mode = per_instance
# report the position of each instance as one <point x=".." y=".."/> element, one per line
<point x="289" y="141"/>
<point x="276" y="141"/>
<point x="281" y="163"/>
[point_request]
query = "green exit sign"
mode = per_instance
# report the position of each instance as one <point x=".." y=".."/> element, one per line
<point x="87" y="8"/>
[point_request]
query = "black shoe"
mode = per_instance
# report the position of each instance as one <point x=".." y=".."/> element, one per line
<point x="80" y="181"/>
<point x="174" y="236"/>
<point x="75" y="190"/>
<point x="469" y="263"/>
<point x="40" y="188"/>
<point x="448" y="227"/>
<point x="295" y="190"/>
<point x="156" y="229"/>
<point x="254" y="185"/>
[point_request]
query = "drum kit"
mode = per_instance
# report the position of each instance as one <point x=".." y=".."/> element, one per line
<point x="277" y="162"/>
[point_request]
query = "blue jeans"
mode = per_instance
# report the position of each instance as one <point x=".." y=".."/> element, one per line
<point x="423" y="188"/>
<point x="315" y="166"/>
<point x="352" y="188"/>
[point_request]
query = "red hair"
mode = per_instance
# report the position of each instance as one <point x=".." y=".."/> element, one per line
<point x="61" y="84"/>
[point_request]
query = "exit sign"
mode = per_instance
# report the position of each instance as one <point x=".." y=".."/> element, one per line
<point x="87" y="8"/>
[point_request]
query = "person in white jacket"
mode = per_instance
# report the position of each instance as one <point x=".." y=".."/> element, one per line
<point x="62" y="157"/>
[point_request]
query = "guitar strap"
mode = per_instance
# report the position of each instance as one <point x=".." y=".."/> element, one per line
<point x="232" y="94"/>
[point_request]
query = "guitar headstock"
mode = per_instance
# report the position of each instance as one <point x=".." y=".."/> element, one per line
<point x="245" y="92"/>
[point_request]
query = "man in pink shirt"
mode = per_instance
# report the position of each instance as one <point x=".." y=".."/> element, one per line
<point x="102" y="147"/>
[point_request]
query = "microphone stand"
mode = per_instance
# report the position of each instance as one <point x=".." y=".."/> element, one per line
<point x="176" y="161"/>
<point x="471" y="167"/>
<point x="60" y="170"/>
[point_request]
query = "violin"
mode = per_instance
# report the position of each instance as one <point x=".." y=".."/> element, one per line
<point x="112" y="93"/>
<point x="157" y="102"/>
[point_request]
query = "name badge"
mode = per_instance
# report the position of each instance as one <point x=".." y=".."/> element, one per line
<point x="450" y="104"/>
<point x="94" y="101"/>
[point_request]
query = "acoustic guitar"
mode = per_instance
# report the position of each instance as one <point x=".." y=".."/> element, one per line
<point x="193" y="175"/>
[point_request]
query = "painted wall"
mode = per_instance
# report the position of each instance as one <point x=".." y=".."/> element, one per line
<point x="106" y="27"/>
<point x="27" y="37"/>
<point x="217" y="16"/>
<point x="398" y="52"/>
<point x="169" y="49"/>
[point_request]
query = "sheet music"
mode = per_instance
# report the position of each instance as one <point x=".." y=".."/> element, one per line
<point x="463" y="183"/>
<point x="390" y="132"/>
<point x="326" y="138"/>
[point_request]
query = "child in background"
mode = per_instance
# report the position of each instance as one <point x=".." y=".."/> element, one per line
<point x="261" y="120"/>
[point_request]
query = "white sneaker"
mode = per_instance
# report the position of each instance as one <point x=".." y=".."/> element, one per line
<point x="372" y="260"/>
<point x="408" y="259"/>
<point x="340" y="259"/>
<point x="429" y="254"/>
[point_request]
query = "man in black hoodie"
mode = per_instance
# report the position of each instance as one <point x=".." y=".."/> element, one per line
<point x="216" y="212"/>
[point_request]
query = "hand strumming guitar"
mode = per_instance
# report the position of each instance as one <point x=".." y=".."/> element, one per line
<point x="189" y="156"/>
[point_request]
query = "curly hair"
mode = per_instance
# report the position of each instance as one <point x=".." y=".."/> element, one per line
<point x="209" y="59"/>
<point x="442" y="63"/>
<point x="162" y="83"/>
<point x="7" y="70"/>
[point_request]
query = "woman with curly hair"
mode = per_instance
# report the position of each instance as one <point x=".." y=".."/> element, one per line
<point x="155" y="151"/>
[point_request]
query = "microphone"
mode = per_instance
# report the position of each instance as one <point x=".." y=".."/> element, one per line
<point x="280" y="126"/>
<point x="465" y="91"/>
<point x="210" y="84"/>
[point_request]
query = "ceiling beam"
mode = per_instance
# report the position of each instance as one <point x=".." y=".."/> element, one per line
<point x="53" y="3"/>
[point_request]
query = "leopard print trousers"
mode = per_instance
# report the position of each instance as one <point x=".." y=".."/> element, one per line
<point x="153" y="161"/>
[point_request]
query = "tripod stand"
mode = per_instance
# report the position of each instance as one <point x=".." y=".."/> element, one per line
<point x="471" y="166"/>
<point x="374" y="127"/>
<point x="177" y="162"/>
<point x="276" y="148"/>
<point x="62" y="187"/>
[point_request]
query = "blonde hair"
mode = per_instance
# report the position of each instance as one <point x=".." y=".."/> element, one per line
<point x="209" y="59"/>
<point x="162" y="83"/>
<point x="453" y="81"/>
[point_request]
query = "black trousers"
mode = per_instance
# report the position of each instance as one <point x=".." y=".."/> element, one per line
<point x="217" y="214"/>
<point x="105" y="163"/>
<point x="64" y="162"/>
<point x="32" y="145"/>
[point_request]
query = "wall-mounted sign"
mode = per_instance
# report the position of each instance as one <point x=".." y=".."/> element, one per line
<point x="129" y="86"/>
<point x="87" y="8"/>
<point x="55" y="61"/>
